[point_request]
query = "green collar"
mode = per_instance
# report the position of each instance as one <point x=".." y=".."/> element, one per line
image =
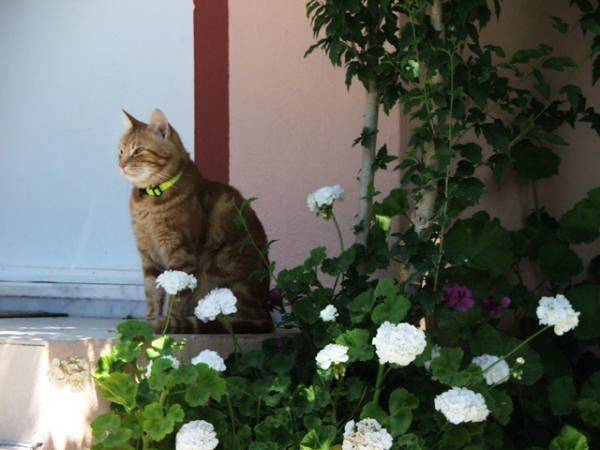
<point x="157" y="191"/>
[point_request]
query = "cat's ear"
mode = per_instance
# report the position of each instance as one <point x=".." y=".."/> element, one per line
<point x="159" y="124"/>
<point x="128" y="120"/>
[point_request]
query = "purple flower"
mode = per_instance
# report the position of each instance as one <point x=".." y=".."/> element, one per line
<point x="458" y="297"/>
<point x="495" y="307"/>
<point x="278" y="343"/>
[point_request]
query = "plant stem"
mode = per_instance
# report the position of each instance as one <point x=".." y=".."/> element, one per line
<point x="365" y="203"/>
<point x="232" y="418"/>
<point x="378" y="382"/>
<point x="339" y="232"/>
<point x="444" y="218"/>
<point x="171" y="299"/>
<point x="262" y="253"/>
<point x="342" y="248"/>
<point x="517" y="348"/>
<point x="225" y="322"/>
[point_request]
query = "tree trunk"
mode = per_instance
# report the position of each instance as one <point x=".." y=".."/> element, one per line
<point x="365" y="202"/>
<point x="426" y="205"/>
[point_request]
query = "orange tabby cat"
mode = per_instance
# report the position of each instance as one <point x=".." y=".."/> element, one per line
<point x="188" y="226"/>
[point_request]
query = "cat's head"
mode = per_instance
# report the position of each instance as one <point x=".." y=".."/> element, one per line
<point x="151" y="153"/>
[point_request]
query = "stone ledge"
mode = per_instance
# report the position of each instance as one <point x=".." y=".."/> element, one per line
<point x="37" y="408"/>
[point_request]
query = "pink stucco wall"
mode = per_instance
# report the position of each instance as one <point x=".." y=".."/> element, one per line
<point x="293" y="122"/>
<point x="292" y="126"/>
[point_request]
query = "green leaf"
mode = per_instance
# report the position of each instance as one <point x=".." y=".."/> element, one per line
<point x="559" y="263"/>
<point x="525" y="55"/>
<point x="591" y="388"/>
<point x="573" y="94"/>
<point x="361" y="306"/>
<point x="480" y="243"/>
<point x="590" y="411"/>
<point x="470" y="151"/>
<point x="208" y="384"/>
<point x="500" y="405"/>
<point x="401" y="405"/>
<point x="373" y="411"/>
<point x="410" y="442"/>
<point x="158" y="425"/>
<point x="585" y="298"/>
<point x="396" y="203"/>
<point x="561" y="395"/>
<point x="306" y="311"/>
<point x="119" y="388"/>
<point x="394" y="306"/>
<point x="533" y="162"/>
<point x="497" y="135"/>
<point x="582" y="223"/>
<point x="560" y="24"/>
<point x="569" y="439"/>
<point x="359" y="344"/>
<point x="446" y="367"/>
<point x="318" y="439"/>
<point x="391" y="310"/>
<point x="558" y="63"/>
<point x="108" y="431"/>
<point x="134" y="330"/>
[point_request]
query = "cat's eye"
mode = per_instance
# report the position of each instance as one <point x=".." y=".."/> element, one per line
<point x="137" y="151"/>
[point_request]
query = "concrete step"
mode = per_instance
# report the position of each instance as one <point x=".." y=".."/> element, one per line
<point x="75" y="299"/>
<point x="38" y="404"/>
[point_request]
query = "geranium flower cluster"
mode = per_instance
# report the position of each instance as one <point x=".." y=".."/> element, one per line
<point x="218" y="301"/>
<point x="175" y="281"/>
<point x="196" y="435"/>
<point x="398" y="344"/>
<point x="495" y="370"/>
<point x="461" y="405"/>
<point x="329" y="313"/>
<point x="332" y="354"/>
<point x="366" y="434"/>
<point x="557" y="312"/>
<point x="321" y="201"/>
<point x="458" y="297"/>
<point x="495" y="307"/>
<point x="211" y="358"/>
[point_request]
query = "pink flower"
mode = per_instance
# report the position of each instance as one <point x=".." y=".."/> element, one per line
<point x="495" y="307"/>
<point x="458" y="297"/>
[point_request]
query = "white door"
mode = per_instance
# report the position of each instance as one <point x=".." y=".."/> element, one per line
<point x="67" y="67"/>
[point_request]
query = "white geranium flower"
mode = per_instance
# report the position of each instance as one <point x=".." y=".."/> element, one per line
<point x="460" y="405"/>
<point x="175" y="281"/>
<point x="398" y="344"/>
<point x="321" y="201"/>
<point x="332" y="354"/>
<point x="218" y="301"/>
<point x="196" y="435"/>
<point x="211" y="358"/>
<point x="435" y="352"/>
<point x="174" y="363"/>
<point x="329" y="313"/>
<point x="368" y="434"/>
<point x="498" y="374"/>
<point x="557" y="312"/>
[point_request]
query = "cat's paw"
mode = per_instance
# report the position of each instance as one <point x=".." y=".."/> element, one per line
<point x="157" y="324"/>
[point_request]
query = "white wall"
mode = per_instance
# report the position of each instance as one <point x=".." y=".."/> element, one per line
<point x="67" y="67"/>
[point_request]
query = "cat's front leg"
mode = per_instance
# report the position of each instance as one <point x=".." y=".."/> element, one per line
<point x="181" y="257"/>
<point x="154" y="296"/>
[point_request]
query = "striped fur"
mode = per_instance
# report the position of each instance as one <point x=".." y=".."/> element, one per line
<point x="190" y="228"/>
